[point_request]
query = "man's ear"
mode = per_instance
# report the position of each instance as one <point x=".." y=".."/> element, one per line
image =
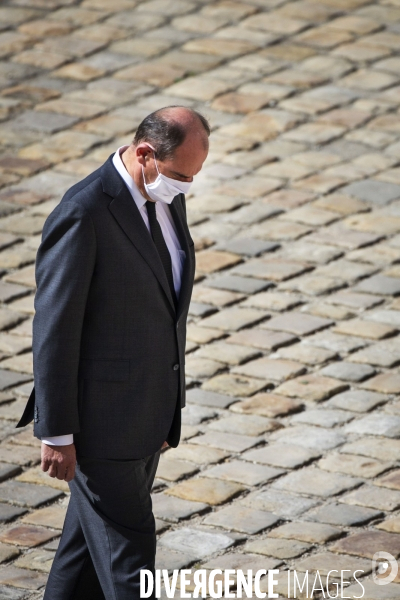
<point x="143" y="152"/>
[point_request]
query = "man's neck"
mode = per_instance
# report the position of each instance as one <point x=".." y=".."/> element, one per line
<point x="134" y="169"/>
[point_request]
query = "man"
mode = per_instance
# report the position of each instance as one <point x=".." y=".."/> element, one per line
<point x="114" y="275"/>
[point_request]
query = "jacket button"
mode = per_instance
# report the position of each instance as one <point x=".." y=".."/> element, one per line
<point x="175" y="367"/>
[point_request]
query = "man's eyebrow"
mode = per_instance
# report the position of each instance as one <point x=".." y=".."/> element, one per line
<point x="180" y="174"/>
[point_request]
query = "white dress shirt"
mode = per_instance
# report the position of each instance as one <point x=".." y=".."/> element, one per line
<point x="168" y="229"/>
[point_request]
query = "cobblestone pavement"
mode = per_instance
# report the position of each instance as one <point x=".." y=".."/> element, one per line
<point x="291" y="437"/>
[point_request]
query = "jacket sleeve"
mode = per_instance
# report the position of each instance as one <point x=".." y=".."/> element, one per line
<point x="64" y="267"/>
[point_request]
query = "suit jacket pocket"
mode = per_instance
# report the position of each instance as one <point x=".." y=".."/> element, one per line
<point x="104" y="369"/>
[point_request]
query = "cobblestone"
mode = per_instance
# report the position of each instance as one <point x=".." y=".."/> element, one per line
<point x="348" y="371"/>
<point x="235" y="385"/>
<point x="279" y="548"/>
<point x="376" y="424"/>
<point x="231" y="442"/>
<point x="243" y="472"/>
<point x="8" y="512"/>
<point x="210" y="491"/>
<point x="342" y="514"/>
<point x="314" y="481"/>
<point x="232" y="319"/>
<point x="52" y="516"/>
<point x="173" y="509"/>
<point x="22" y="578"/>
<point x="239" y="560"/>
<point x="268" y="405"/>
<point x="38" y="560"/>
<point x="359" y="544"/>
<point x="297" y="323"/>
<point x="203" y="398"/>
<point x="314" y="438"/>
<point x="275" y="369"/>
<point x="231" y="354"/>
<point x="357" y="400"/>
<point x="391" y="525"/>
<point x="353" y="465"/>
<point x="386" y="383"/>
<point x="280" y="503"/>
<point x="245" y="285"/>
<point x="391" y="480"/>
<point x="27" y="535"/>
<point x="306" y="532"/>
<point x="379" y="448"/>
<point x="323" y="417"/>
<point x="196" y="543"/>
<point x="261" y="338"/>
<point x="25" y="494"/>
<point x="373" y="497"/>
<point x="323" y="562"/>
<point x="371" y="593"/>
<point x="379" y="284"/>
<point x="7" y="552"/>
<point x="281" y="455"/>
<point x="242" y="519"/>
<point x="313" y="387"/>
<point x="199" y="454"/>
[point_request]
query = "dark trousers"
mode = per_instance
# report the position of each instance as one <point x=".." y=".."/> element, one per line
<point x="109" y="531"/>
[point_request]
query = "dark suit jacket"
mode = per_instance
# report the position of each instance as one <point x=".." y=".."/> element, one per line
<point x="108" y="343"/>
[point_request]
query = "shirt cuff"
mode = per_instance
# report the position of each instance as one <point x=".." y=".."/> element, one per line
<point x="59" y="440"/>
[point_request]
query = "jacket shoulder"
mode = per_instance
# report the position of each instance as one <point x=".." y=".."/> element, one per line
<point x="80" y="186"/>
<point x="89" y="192"/>
<point x="81" y="192"/>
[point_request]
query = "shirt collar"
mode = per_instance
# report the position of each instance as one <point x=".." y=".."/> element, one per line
<point x="130" y="183"/>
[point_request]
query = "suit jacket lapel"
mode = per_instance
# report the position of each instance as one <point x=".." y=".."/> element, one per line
<point x="131" y="222"/>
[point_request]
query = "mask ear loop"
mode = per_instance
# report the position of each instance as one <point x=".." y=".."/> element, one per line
<point x="155" y="161"/>
<point x="144" y="178"/>
<point x="154" y="154"/>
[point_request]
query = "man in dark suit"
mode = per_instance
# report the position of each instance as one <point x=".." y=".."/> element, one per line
<point x="114" y="275"/>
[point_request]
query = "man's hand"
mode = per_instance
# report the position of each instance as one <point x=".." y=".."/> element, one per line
<point x="165" y="445"/>
<point x="59" y="461"/>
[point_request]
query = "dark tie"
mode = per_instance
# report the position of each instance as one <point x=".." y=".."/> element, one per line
<point x="162" y="249"/>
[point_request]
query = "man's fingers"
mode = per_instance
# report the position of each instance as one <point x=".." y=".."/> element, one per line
<point x="61" y="471"/>
<point x="53" y="470"/>
<point x="64" y="468"/>
<point x="70" y="473"/>
<point x="59" y="461"/>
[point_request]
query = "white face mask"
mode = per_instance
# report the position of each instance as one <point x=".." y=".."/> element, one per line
<point x="165" y="188"/>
